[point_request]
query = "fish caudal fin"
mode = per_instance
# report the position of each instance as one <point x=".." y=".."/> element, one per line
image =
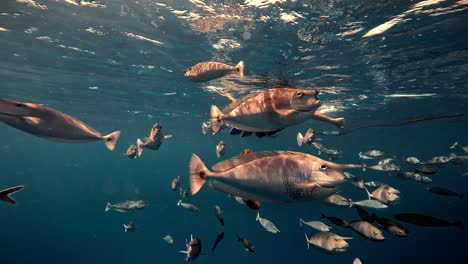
<point x="198" y="173"/>
<point x="108" y="207"/>
<point x="459" y="225"/>
<point x="339" y="122"/>
<point x="140" y="146"/>
<point x="240" y="68"/>
<point x="307" y="241"/>
<point x="216" y="119"/>
<point x="167" y="136"/>
<point x="111" y="140"/>
<point x="5" y="194"/>
<point x="369" y="195"/>
<point x="125" y="228"/>
<point x="300" y="139"/>
<point x="258" y="217"/>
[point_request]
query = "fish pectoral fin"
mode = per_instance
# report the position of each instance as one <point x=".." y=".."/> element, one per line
<point x="33" y="121"/>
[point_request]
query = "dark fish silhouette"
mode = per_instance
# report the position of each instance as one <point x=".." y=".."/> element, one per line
<point x="392" y="227"/>
<point x="194" y="248"/>
<point x="217" y="241"/>
<point x="426" y="220"/>
<point x="247" y="245"/>
<point x="336" y="221"/>
<point x="426" y="169"/>
<point x="5" y="194"/>
<point x="253" y="204"/>
<point x="364" y="215"/>
<point x="445" y="192"/>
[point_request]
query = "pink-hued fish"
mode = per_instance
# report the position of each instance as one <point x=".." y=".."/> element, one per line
<point x="271" y="176"/>
<point x="153" y="141"/>
<point x="5" y="194"/>
<point x="51" y="124"/>
<point x="210" y="70"/>
<point x="269" y="111"/>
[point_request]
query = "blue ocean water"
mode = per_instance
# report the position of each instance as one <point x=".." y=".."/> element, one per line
<point x="119" y="65"/>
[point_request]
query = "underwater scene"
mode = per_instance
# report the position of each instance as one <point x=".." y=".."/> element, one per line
<point x="236" y="131"/>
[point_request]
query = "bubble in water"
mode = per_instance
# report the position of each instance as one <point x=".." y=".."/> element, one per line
<point x="246" y="35"/>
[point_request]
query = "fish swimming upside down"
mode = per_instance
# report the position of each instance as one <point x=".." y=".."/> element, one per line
<point x="271" y="176"/>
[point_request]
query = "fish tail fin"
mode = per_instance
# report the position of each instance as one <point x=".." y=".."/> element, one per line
<point x="339" y="122"/>
<point x="5" y="194"/>
<point x="351" y="203"/>
<point x="454" y="145"/>
<point x="459" y="224"/>
<point x="257" y="218"/>
<point x="364" y="167"/>
<point x="300" y="222"/>
<point x="216" y="119"/>
<point x="307" y="240"/>
<point x="167" y="136"/>
<point x="140" y="146"/>
<point x="240" y="68"/>
<point x="179" y="202"/>
<point x="360" y="155"/>
<point x="125" y="228"/>
<point x="111" y="140"/>
<point x="198" y="174"/>
<point x="108" y="207"/>
<point x="300" y="139"/>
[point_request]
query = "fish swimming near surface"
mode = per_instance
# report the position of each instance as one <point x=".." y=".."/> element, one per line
<point x="306" y="139"/>
<point x="218" y="240"/>
<point x="246" y="243"/>
<point x="51" y="124"/>
<point x="175" y="184"/>
<point x="268" y="112"/>
<point x="126" y="206"/>
<point x="427" y="220"/>
<point x="317" y="225"/>
<point x="328" y="242"/>
<point x="271" y="176"/>
<point x="168" y="239"/>
<point x="219" y="214"/>
<point x="190" y="207"/>
<point x="131" y="152"/>
<point x="129" y="227"/>
<point x="194" y="249"/>
<point x="220" y="149"/>
<point x="210" y="70"/>
<point x="267" y="224"/>
<point x="5" y="195"/>
<point x="154" y="140"/>
<point x="444" y="191"/>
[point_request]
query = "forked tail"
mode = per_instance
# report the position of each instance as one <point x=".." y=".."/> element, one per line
<point x="216" y="119"/>
<point x="240" y="68"/>
<point x="108" y="207"/>
<point x="140" y="146"/>
<point x="299" y="139"/>
<point x="307" y="240"/>
<point x="111" y="140"/>
<point x="5" y="194"/>
<point x="197" y="173"/>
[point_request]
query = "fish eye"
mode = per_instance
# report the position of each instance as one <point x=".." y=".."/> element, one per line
<point x="20" y="105"/>
<point x="189" y="69"/>
<point x="299" y="94"/>
<point x="323" y="167"/>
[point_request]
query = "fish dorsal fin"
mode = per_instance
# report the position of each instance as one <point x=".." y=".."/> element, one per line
<point x="238" y="102"/>
<point x="239" y="160"/>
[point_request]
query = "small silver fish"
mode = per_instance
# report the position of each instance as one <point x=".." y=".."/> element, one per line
<point x="413" y="160"/>
<point x="358" y="183"/>
<point x="219" y="214"/>
<point x="373" y="153"/>
<point x="383" y="167"/>
<point x="220" y="149"/>
<point x="190" y="207"/>
<point x="362" y="156"/>
<point x="210" y="70"/>
<point x="329" y="242"/>
<point x="306" y="139"/>
<point x="440" y="160"/>
<point x="338" y="200"/>
<point x="126" y="206"/>
<point x="317" y="225"/>
<point x="373" y="184"/>
<point x="168" y="239"/>
<point x="129" y="227"/>
<point x="330" y="132"/>
<point x="414" y="176"/>
<point x="332" y="153"/>
<point x="385" y="161"/>
<point x="370" y="204"/>
<point x="267" y="224"/>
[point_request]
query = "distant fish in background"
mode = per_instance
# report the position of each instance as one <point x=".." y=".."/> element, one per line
<point x="219" y="214"/>
<point x="126" y="206"/>
<point x="358" y="182"/>
<point x="425" y="169"/>
<point x="335" y="220"/>
<point x="382" y="167"/>
<point x="210" y="70"/>
<point x="331" y="153"/>
<point x="329" y="242"/>
<point x="205" y="127"/>
<point x="220" y="149"/>
<point x="306" y="139"/>
<point x="267" y="224"/>
<point x="317" y="225"/>
<point x="129" y="227"/>
<point x="51" y="124"/>
<point x="373" y="153"/>
<point x="5" y="195"/>
<point x="252" y="204"/>
<point x="168" y="239"/>
<point x="460" y="147"/>
<point x="412" y="160"/>
<point x="190" y="207"/>
<point x="338" y="200"/>
<point x="175" y="183"/>
<point x="370" y="204"/>
<point x="154" y="140"/>
<point x="246" y="243"/>
<point x="183" y="193"/>
<point x="426" y="220"/>
<point x="218" y="240"/>
<point x="194" y="249"/>
<point x="440" y="160"/>
<point x="131" y="152"/>
<point x="444" y="191"/>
